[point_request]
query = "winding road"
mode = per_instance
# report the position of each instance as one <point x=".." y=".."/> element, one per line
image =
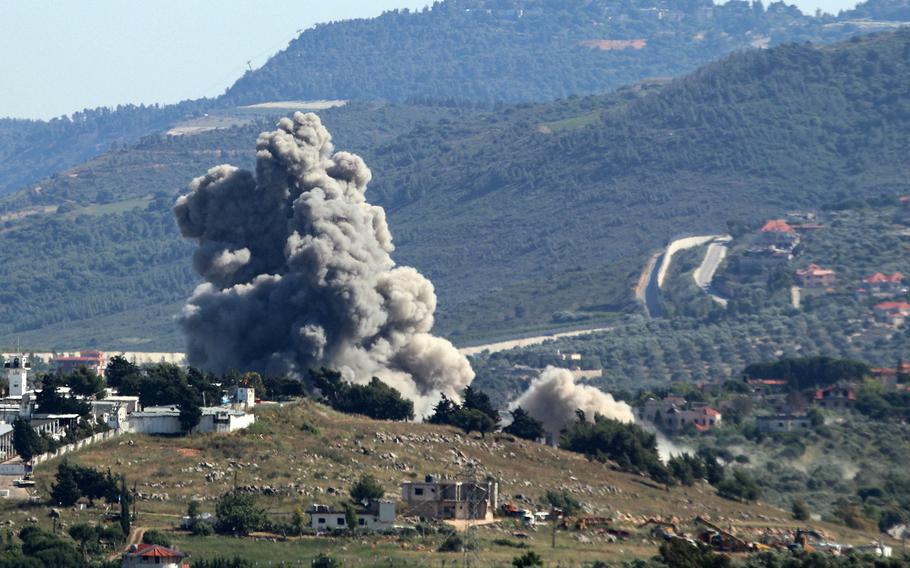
<point x="652" y="279"/>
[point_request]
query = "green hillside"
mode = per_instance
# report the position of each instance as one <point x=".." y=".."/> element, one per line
<point x="483" y="51"/>
<point x="520" y="50"/>
<point x="529" y="217"/>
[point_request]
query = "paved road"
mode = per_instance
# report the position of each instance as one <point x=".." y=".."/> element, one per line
<point x="526" y="341"/>
<point x="704" y="274"/>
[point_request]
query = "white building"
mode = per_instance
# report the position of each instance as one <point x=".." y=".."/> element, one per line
<point x="379" y="516"/>
<point x="245" y="397"/>
<point x="783" y="423"/>
<point x="17" y="369"/>
<point x="115" y="410"/>
<point x="166" y="420"/>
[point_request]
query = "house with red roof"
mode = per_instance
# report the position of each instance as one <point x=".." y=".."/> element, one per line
<point x="884" y="285"/>
<point x="892" y="313"/>
<point x="94" y="361"/>
<point x="144" y="555"/>
<point x="703" y="418"/>
<point x="779" y="233"/>
<point x="836" y="396"/>
<point x="814" y="276"/>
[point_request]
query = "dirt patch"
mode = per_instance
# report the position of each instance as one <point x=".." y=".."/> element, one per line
<point x="189" y="452"/>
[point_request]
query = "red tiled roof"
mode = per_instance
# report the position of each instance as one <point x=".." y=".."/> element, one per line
<point x="879" y="278"/>
<point x="777" y="226"/>
<point x="769" y="382"/>
<point x="820" y="393"/>
<point x="892" y="307"/>
<point x="815" y="270"/>
<point x="155" y="551"/>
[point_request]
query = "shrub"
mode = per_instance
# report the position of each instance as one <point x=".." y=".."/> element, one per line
<point x="203" y="528"/>
<point x="325" y="561"/>
<point x="452" y="543"/>
<point x="367" y="489"/>
<point x="238" y="514"/>
<point x="156" y="537"/>
<point x="529" y="558"/>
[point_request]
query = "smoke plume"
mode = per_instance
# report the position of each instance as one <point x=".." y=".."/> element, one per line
<point x="299" y="274"/>
<point x="554" y="397"/>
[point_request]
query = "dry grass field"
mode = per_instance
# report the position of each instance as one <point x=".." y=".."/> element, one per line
<point x="302" y="453"/>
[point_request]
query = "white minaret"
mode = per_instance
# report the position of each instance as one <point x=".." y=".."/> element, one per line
<point x="17" y="368"/>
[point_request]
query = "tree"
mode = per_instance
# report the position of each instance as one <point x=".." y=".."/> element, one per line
<point x="126" y="500"/>
<point x="83" y="533"/>
<point x="298" y="521"/>
<point x="350" y="517"/>
<point x="741" y="487"/>
<point x="190" y="414"/>
<point x="528" y="559"/>
<point x="444" y="412"/>
<point x="84" y="382"/>
<point x="367" y="489"/>
<point x="156" y="537"/>
<point x="238" y="514"/>
<point x="800" y="510"/>
<point x="26" y="441"/>
<point x="473" y="420"/>
<point x="476" y="399"/>
<point x="117" y="368"/>
<point x="323" y="560"/>
<point x="524" y="425"/>
<point x="65" y="491"/>
<point x="680" y="553"/>
<point x="563" y="501"/>
<point x="376" y="399"/>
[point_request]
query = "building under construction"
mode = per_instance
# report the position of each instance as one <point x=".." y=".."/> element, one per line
<point x="449" y="499"/>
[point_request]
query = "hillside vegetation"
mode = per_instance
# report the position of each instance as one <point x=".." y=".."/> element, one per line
<point x="519" y="50"/>
<point x="303" y="453"/>
<point x="535" y="216"/>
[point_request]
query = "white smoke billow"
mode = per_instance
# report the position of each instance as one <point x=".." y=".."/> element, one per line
<point x="299" y="274"/>
<point x="554" y="397"/>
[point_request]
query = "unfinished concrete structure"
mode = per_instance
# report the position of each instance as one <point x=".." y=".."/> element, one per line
<point x="449" y="499"/>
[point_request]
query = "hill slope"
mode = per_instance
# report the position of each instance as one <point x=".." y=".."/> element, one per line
<point x="304" y="453"/>
<point x="519" y="50"/>
<point x="537" y="215"/>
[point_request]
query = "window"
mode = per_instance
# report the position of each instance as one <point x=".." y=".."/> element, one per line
<point x="321" y="520"/>
<point x="340" y="521"/>
<point x="418" y="491"/>
<point x="362" y="522"/>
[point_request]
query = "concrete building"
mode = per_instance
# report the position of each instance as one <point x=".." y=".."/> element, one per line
<point x="245" y="397"/>
<point x="892" y="313"/>
<point x="380" y="515"/>
<point x="94" y="361"/>
<point x="779" y="233"/>
<point x="17" y="370"/>
<point x="144" y="555"/>
<point x="836" y="397"/>
<point x="783" y="423"/>
<point x="814" y="276"/>
<point x="6" y="442"/>
<point x="166" y="420"/>
<point x="115" y="410"/>
<point x="434" y="499"/>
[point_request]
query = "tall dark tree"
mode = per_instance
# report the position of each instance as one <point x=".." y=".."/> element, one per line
<point x="26" y="441"/>
<point x="524" y="425"/>
<point x="476" y="399"/>
<point x="117" y="368"/>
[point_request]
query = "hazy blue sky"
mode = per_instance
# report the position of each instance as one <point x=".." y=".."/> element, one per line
<point x="61" y="56"/>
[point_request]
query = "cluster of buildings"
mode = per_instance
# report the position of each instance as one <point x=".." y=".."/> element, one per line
<point x="431" y="498"/>
<point x="118" y="412"/>
<point x="673" y="413"/>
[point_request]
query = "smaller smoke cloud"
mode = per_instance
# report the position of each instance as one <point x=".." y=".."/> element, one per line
<point x="554" y="397"/>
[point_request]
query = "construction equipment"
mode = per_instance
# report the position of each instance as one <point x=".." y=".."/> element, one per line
<point x="719" y="539"/>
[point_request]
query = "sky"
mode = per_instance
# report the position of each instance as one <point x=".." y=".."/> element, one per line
<point x="58" y="57"/>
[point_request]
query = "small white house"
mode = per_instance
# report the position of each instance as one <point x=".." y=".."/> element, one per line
<point x="379" y="516"/>
<point x="245" y="397"/>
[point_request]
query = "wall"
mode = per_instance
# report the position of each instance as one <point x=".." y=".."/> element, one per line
<point x="95" y="438"/>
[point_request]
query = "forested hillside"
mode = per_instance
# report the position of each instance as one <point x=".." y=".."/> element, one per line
<point x="477" y="51"/>
<point x="519" y="50"/>
<point x="529" y="217"/>
<point x="33" y="149"/>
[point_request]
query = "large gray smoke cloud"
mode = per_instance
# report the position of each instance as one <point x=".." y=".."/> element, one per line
<point x="299" y="273"/>
<point x="554" y="397"/>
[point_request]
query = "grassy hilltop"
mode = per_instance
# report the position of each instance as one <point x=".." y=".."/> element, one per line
<point x="304" y="453"/>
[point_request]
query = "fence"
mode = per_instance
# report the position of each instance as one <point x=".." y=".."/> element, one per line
<point x="77" y="445"/>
